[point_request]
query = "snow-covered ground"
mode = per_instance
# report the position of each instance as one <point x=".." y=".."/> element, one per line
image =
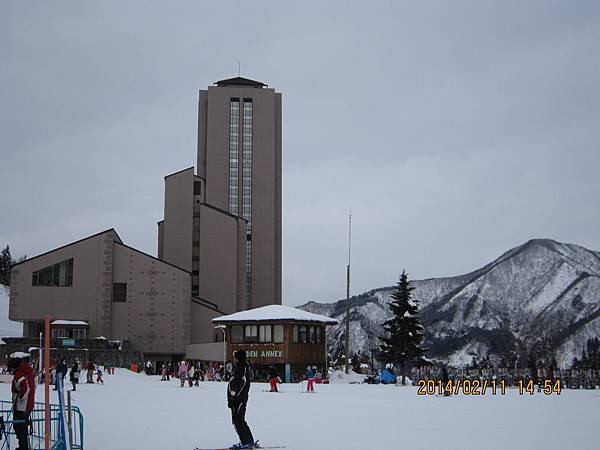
<point x="7" y="327"/>
<point x="132" y="411"/>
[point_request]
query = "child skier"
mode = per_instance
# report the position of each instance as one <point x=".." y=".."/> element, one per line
<point x="99" y="376"/>
<point x="273" y="378"/>
<point x="310" y="379"/>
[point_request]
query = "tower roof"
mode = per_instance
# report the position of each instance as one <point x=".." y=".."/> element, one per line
<point x="240" y="81"/>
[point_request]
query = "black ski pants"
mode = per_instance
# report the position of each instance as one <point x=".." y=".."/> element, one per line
<point x="238" y="417"/>
<point x="21" y="429"/>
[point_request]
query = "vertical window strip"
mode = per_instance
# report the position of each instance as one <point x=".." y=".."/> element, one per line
<point x="234" y="142"/>
<point x="247" y="192"/>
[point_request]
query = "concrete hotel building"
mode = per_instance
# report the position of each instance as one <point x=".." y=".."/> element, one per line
<point x="219" y="243"/>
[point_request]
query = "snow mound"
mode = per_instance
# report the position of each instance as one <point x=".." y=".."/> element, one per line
<point x="339" y="376"/>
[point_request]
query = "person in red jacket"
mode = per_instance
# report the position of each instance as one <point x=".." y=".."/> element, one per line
<point x="23" y="393"/>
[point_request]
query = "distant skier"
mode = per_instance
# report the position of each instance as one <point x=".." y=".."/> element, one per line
<point x="445" y="379"/>
<point x="237" y="399"/>
<point x="190" y="375"/>
<point x="310" y="379"/>
<point x="196" y="376"/>
<point x="183" y="371"/>
<point x="99" y="376"/>
<point x="90" y="372"/>
<point x="61" y="372"/>
<point x="273" y="378"/>
<point x="74" y="375"/>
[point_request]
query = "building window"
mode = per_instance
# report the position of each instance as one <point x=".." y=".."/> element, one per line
<point x="311" y="335"/>
<point x="60" y="333"/>
<point x="264" y="333"/>
<point x="295" y="334"/>
<point x="302" y="334"/>
<point x="278" y="334"/>
<point x="318" y="334"/>
<point x="197" y="187"/>
<point x="80" y="333"/>
<point x="237" y="334"/>
<point x="251" y="333"/>
<point x="234" y="150"/>
<point x="247" y="191"/>
<point x="119" y="292"/>
<point x="60" y="274"/>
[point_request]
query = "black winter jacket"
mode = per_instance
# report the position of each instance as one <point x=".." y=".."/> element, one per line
<point x="239" y="385"/>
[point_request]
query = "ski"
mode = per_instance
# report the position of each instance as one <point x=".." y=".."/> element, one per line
<point x="258" y="447"/>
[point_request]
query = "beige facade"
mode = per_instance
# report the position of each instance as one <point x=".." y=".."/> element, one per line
<point x="208" y="242"/>
<point x="154" y="314"/>
<point x="257" y="173"/>
<point x="219" y="244"/>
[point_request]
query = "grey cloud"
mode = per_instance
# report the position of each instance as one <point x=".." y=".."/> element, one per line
<point x="453" y="129"/>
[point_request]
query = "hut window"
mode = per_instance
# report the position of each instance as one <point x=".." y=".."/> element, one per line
<point x="318" y="335"/>
<point x="79" y="333"/>
<point x="264" y="333"/>
<point x="251" y="333"/>
<point x="311" y="335"/>
<point x="60" y="333"/>
<point x="295" y="334"/>
<point x="302" y="334"/>
<point x="237" y="334"/>
<point x="278" y="334"/>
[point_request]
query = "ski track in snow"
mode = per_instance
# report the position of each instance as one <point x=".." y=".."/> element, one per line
<point x="134" y="411"/>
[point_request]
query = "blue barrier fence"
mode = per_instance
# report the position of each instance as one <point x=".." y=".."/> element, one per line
<point x="62" y="435"/>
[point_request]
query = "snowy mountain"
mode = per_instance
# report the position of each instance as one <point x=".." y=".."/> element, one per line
<point x="542" y="296"/>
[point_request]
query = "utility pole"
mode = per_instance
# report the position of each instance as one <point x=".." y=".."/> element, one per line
<point x="347" y="343"/>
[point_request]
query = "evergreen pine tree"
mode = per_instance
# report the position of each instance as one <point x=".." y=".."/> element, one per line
<point x="5" y="266"/>
<point x="401" y="343"/>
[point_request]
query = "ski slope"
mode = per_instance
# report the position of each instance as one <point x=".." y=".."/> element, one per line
<point x="134" y="411"/>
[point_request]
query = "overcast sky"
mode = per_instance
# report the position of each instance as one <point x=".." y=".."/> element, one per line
<point x="454" y="130"/>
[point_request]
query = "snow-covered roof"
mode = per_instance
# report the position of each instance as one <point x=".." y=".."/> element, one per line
<point x="274" y="312"/>
<point x="19" y="355"/>
<point x="69" y="322"/>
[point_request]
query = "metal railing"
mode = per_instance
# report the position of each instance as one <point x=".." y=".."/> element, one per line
<point x="59" y="439"/>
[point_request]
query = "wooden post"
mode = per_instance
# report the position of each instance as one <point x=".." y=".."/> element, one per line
<point x="69" y="419"/>
<point x="47" y="382"/>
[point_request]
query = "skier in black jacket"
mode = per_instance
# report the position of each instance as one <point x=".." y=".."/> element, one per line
<point x="237" y="398"/>
<point x="61" y="372"/>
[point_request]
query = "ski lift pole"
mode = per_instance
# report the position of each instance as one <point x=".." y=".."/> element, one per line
<point x="347" y="337"/>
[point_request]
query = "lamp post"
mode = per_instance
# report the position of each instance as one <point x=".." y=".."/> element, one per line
<point x="222" y="328"/>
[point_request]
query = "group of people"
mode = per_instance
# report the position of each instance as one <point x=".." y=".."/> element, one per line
<point x="239" y="376"/>
<point x="60" y="370"/>
<point x="191" y="372"/>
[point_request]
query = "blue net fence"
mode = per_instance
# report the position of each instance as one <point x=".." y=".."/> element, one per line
<point x="66" y="426"/>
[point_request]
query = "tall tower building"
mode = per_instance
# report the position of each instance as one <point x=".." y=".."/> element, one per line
<point x="239" y="156"/>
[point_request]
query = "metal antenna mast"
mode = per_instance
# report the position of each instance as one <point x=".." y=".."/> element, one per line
<point x="347" y="343"/>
